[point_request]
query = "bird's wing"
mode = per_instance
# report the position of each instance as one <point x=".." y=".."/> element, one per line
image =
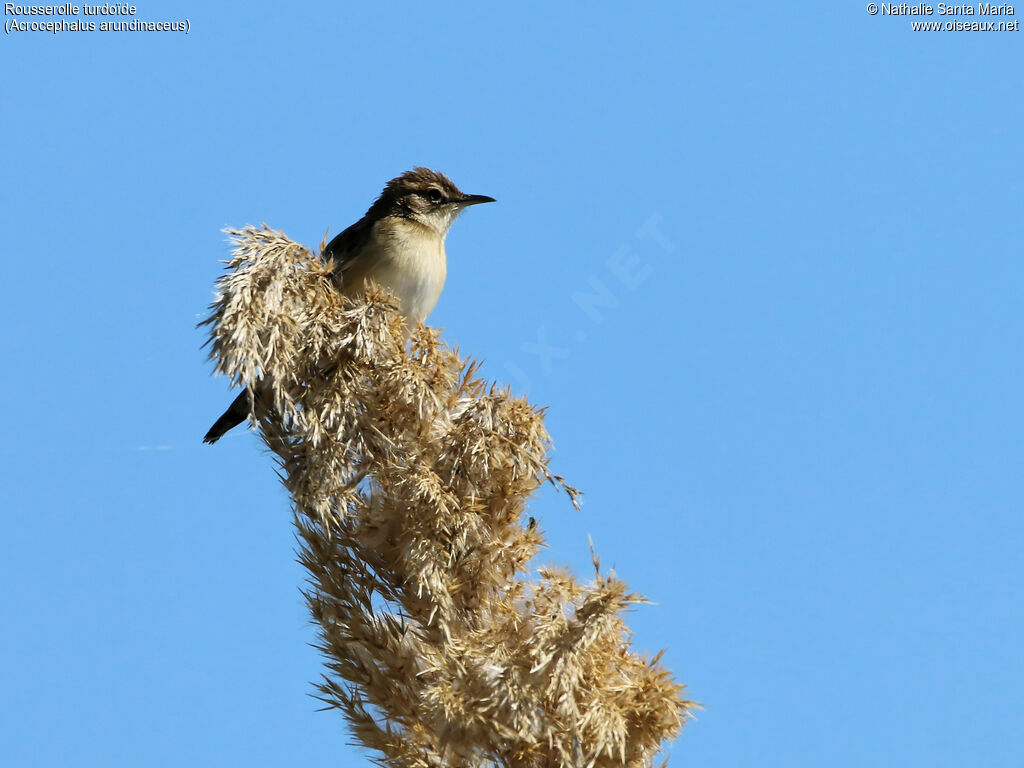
<point x="347" y="247"/>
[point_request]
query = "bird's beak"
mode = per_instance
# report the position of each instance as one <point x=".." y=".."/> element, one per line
<point x="474" y="199"/>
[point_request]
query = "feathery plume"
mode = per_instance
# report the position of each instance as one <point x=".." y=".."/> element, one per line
<point x="409" y="477"/>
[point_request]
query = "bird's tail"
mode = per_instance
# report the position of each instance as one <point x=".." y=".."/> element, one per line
<point x="236" y="413"/>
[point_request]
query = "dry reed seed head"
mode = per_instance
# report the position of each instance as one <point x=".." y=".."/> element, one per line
<point x="409" y="477"/>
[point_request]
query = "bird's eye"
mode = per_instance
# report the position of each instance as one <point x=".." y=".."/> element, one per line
<point x="434" y="195"/>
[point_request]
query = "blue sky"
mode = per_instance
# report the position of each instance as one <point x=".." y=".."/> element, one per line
<point x="794" y="412"/>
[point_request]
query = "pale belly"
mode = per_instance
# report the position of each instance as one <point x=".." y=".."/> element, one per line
<point x="417" y="287"/>
<point x="415" y="273"/>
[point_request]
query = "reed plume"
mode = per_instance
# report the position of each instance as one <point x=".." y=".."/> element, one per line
<point x="409" y="478"/>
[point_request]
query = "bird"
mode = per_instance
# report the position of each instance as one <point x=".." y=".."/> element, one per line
<point x="399" y="244"/>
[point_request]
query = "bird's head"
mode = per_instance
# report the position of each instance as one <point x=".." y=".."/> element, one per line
<point x="425" y="196"/>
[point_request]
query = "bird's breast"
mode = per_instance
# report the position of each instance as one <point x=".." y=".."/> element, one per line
<point x="411" y="263"/>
